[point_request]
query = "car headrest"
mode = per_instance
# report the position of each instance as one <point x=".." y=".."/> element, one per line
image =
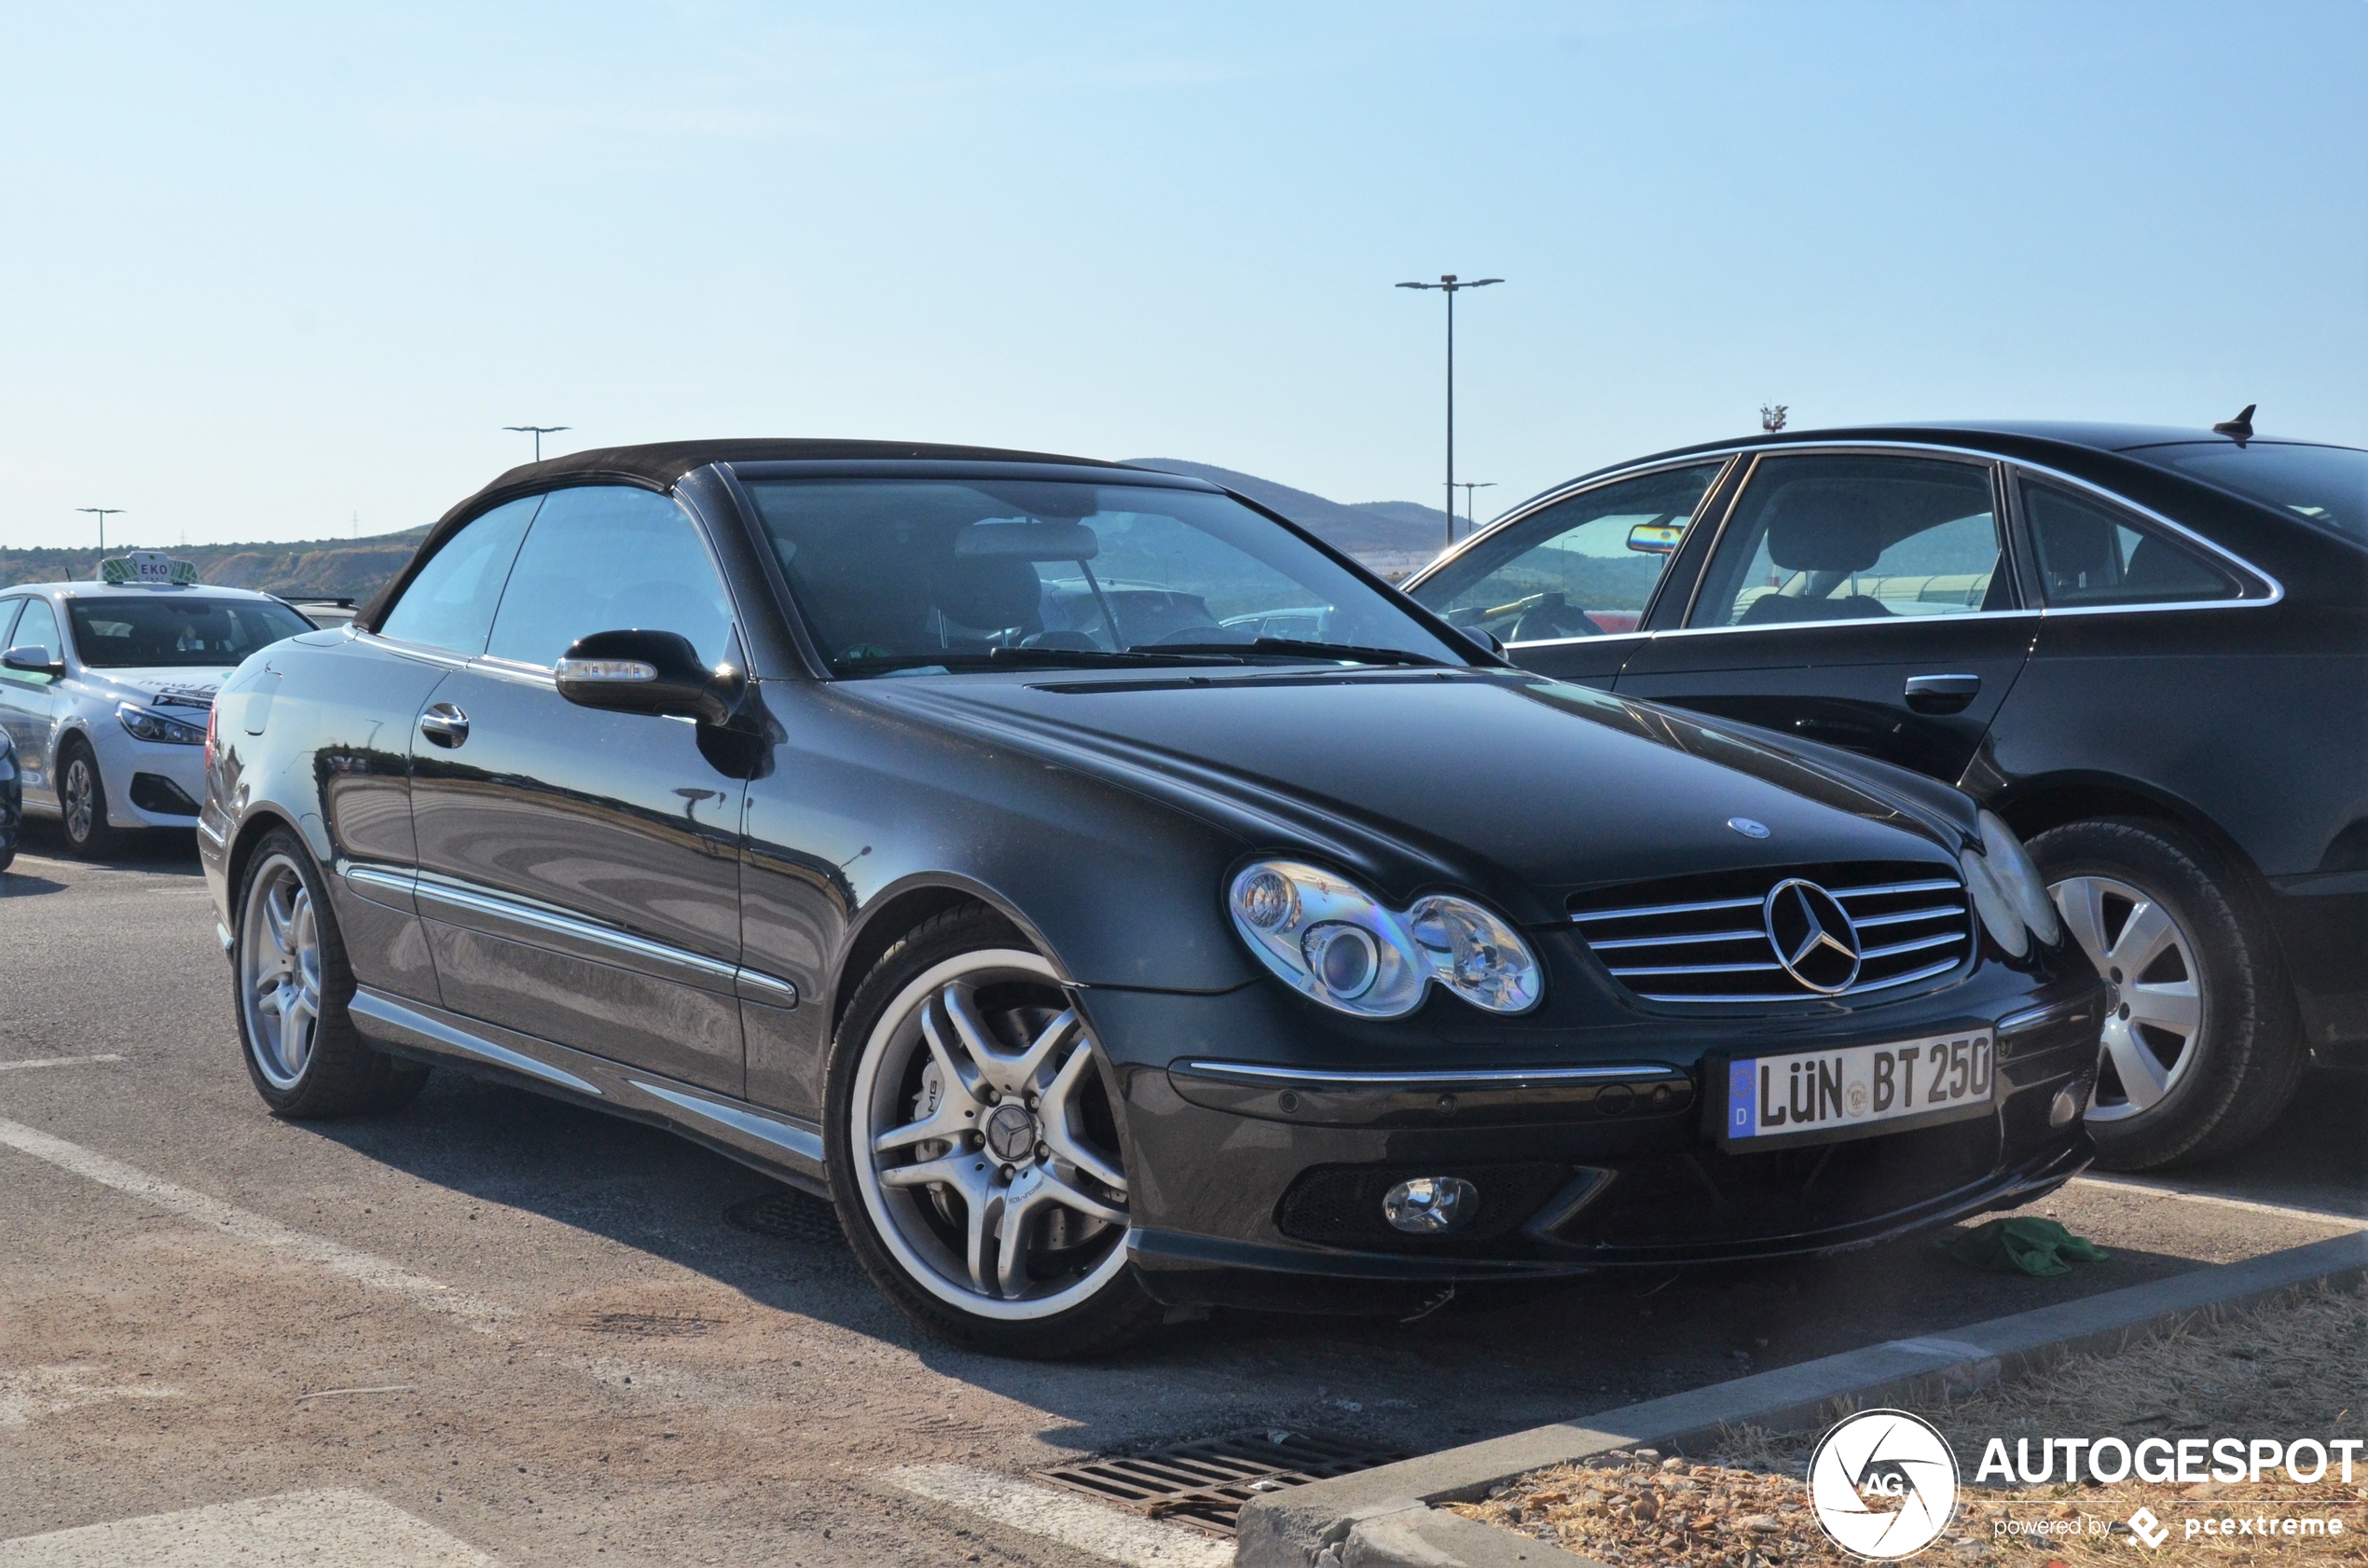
<point x="1825" y="526"/>
<point x="988" y="593"/>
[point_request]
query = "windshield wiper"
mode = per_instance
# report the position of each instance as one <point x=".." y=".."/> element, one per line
<point x="1300" y="648"/>
<point x="1042" y="658"/>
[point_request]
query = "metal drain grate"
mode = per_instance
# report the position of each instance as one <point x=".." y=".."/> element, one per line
<point x="788" y="1215"/>
<point x="1205" y="1483"/>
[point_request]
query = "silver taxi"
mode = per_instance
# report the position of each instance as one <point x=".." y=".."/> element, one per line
<point x="107" y="686"/>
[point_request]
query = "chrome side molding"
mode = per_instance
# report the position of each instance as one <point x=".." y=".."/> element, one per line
<point x="412" y="1027"/>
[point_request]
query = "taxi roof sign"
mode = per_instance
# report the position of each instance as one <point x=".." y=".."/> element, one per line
<point x="148" y="565"/>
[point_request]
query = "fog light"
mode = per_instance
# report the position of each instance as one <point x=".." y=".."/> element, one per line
<point x="1430" y="1205"/>
<point x="2066" y="1107"/>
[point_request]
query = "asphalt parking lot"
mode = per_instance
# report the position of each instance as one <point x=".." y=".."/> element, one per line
<point x="531" y="1330"/>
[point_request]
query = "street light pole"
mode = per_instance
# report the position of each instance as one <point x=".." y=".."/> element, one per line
<point x="538" y="431"/>
<point x="1468" y="486"/>
<point x="1449" y="285"/>
<point x="104" y="513"/>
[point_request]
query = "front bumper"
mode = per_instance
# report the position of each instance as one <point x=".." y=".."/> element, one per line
<point x="1262" y="1188"/>
<point x="149" y="783"/>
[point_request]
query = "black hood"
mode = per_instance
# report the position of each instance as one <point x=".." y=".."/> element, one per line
<point x="1522" y="788"/>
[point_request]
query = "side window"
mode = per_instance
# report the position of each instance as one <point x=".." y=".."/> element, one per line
<point x="603" y="557"/>
<point x="38" y="629"/>
<point x="8" y="609"/>
<point x="1581" y="568"/>
<point x="1846" y="538"/>
<point x="2091" y="553"/>
<point x="450" y="604"/>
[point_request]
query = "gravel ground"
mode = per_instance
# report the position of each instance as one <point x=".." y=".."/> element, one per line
<point x="2292" y="1369"/>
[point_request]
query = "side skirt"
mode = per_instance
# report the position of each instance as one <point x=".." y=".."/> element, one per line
<point x="783" y="1147"/>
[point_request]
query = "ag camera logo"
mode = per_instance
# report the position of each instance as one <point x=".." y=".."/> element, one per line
<point x="1883" y="1484"/>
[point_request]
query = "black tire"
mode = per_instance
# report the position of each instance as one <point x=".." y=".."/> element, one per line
<point x="79" y="772"/>
<point x="1117" y="1314"/>
<point x="2239" y="1069"/>
<point x="341" y="1074"/>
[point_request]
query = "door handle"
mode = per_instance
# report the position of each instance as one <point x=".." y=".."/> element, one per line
<point x="1942" y="693"/>
<point x="445" y="725"/>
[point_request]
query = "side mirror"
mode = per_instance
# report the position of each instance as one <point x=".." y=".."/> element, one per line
<point x="33" y="659"/>
<point x="655" y="672"/>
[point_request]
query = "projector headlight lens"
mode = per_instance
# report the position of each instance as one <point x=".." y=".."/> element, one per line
<point x="1330" y="938"/>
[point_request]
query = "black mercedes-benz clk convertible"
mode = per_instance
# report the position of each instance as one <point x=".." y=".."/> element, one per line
<point x="1114" y="899"/>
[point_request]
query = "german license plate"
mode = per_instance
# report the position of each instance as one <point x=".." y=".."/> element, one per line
<point x="1843" y="1092"/>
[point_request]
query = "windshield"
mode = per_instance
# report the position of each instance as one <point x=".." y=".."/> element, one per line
<point x="2323" y="485"/>
<point x="149" y="631"/>
<point x="905" y="576"/>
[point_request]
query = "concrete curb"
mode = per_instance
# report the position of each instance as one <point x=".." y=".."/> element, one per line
<point x="1382" y="1518"/>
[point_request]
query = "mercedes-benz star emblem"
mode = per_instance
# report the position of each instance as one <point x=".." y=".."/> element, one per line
<point x="1812" y="934"/>
<point x="1011" y="1133"/>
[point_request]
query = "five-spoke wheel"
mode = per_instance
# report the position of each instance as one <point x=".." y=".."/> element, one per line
<point x="974" y="1149"/>
<point x="280" y="971"/>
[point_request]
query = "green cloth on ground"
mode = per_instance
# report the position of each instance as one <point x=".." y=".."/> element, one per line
<point x="2024" y="1243"/>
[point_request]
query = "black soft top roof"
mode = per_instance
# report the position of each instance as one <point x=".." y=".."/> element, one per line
<point x="660" y="463"/>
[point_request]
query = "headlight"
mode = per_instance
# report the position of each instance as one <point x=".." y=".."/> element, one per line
<point x="2007" y="891"/>
<point x="2011" y="865"/>
<point x="156" y="726"/>
<point x="1330" y="938"/>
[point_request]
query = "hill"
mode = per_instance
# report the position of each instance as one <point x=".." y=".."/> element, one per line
<point x="1390" y="537"/>
<point x="316" y="568"/>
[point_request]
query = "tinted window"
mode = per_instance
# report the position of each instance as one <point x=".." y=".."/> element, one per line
<point x="40" y="629"/>
<point x="606" y="558"/>
<point x="166" y="629"/>
<point x="2327" y="485"/>
<point x="2092" y="554"/>
<point x="1581" y="568"/>
<point x="907" y="574"/>
<point x="450" y="603"/>
<point x="1855" y="538"/>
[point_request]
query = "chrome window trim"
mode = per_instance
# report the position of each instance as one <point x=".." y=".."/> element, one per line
<point x="420" y="651"/>
<point x="2010" y="467"/>
<point x="386" y="1011"/>
<point x="447" y="890"/>
<point x="2244" y="569"/>
<point x="790" y="1135"/>
<point x="1466" y="1078"/>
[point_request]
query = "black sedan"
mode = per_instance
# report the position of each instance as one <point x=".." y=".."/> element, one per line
<point x="2146" y="649"/>
<point x="950" y="832"/>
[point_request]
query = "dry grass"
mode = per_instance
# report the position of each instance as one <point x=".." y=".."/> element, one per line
<point x="2298" y="1367"/>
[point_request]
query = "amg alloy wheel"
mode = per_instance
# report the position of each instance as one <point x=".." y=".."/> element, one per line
<point x="977" y="1161"/>
<point x="280" y="971"/>
<point x="2199" y="1052"/>
<point x="288" y="966"/>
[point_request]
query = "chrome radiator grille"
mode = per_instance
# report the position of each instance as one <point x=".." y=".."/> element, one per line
<point x="1708" y="938"/>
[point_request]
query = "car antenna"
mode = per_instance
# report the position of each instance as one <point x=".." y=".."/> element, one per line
<point x="2241" y="427"/>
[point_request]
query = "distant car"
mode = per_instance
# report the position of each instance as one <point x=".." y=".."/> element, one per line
<point x="11" y="801"/>
<point x="106" y="687"/>
<point x="2146" y="649"/>
<point x="323" y="612"/>
<point x="933" y="828"/>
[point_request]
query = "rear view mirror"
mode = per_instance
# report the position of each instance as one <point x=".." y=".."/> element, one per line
<point x="656" y="672"/>
<point x="33" y="659"/>
<point x="1654" y="539"/>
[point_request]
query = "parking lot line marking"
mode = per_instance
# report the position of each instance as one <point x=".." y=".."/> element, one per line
<point x="294" y="1528"/>
<point x="55" y="1062"/>
<point x="363" y="1268"/>
<point x="2189" y="1195"/>
<point x="1076" y="1522"/>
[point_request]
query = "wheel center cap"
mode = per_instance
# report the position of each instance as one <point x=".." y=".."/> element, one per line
<point x="1011" y="1133"/>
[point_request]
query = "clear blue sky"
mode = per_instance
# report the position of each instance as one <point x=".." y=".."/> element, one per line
<point x="265" y="269"/>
